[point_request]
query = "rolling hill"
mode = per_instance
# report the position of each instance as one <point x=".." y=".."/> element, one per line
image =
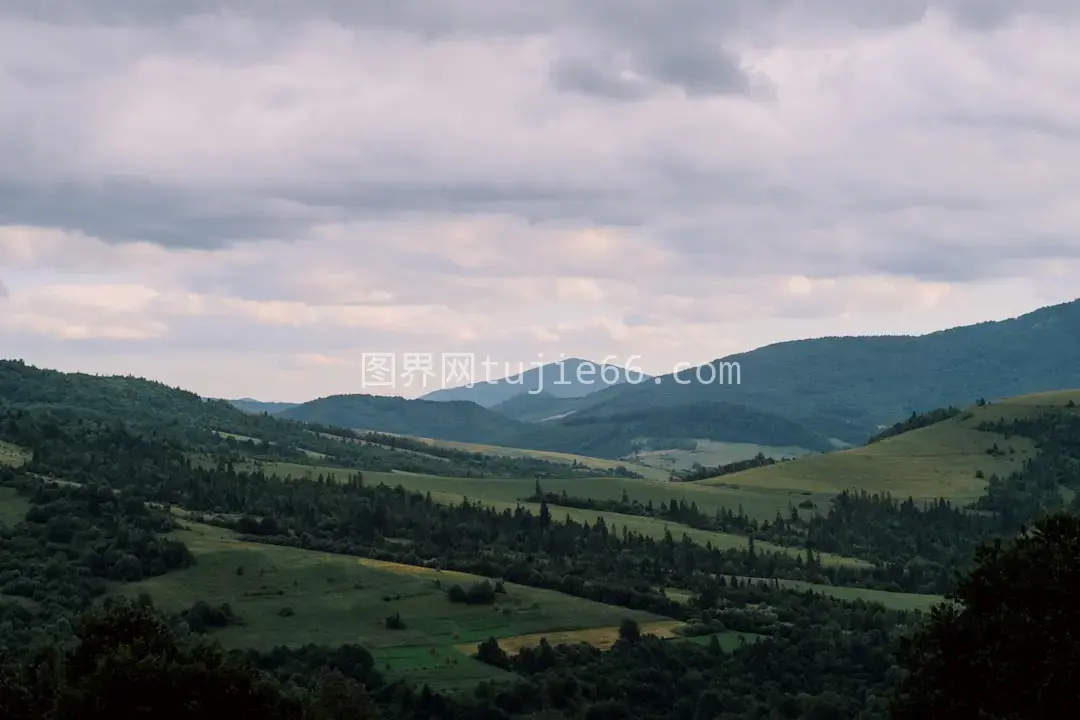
<point x="849" y="387"/>
<point x="250" y="405"/>
<point x="569" y="378"/>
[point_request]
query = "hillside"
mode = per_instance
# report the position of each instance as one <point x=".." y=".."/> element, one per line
<point x="569" y="378"/>
<point x="217" y="427"/>
<point x="849" y="387"/>
<point x="538" y="407"/>
<point x="610" y="436"/>
<point x="258" y="406"/>
<point x="952" y="458"/>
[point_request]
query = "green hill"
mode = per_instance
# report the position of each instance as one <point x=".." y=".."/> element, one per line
<point x="952" y="458"/>
<point x="851" y="387"/>
<point x="216" y="427"/>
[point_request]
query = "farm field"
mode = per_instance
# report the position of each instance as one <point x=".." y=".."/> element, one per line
<point x="337" y="599"/>
<point x="937" y="461"/>
<point x="490" y="491"/>
<point x="601" y="637"/>
<point x="711" y="453"/>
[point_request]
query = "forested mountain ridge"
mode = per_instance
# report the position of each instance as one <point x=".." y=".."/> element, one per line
<point x="850" y="387"/>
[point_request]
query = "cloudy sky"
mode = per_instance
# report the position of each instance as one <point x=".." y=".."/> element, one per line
<point x="242" y="197"/>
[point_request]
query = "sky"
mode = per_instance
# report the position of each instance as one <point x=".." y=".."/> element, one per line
<point x="244" y="197"/>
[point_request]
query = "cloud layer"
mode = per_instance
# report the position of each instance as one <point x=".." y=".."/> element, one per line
<point x="243" y="197"/>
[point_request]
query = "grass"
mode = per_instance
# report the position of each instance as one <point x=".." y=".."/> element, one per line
<point x="13" y="507"/>
<point x="12" y="455"/>
<point x="504" y="494"/>
<point x="601" y="637"/>
<point x="937" y="461"/>
<point x="339" y="599"/>
<point x="711" y="453"/>
<point x="891" y="600"/>
<point x="649" y="472"/>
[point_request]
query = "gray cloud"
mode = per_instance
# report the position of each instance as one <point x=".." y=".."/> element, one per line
<point x="610" y="166"/>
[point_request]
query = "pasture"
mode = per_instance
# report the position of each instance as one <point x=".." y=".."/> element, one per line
<point x="290" y="596"/>
<point x="711" y="453"/>
<point x="941" y="460"/>
<point x="601" y="637"/>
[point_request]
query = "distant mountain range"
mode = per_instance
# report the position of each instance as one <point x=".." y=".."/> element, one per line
<point x="813" y="394"/>
<point x="569" y="378"/>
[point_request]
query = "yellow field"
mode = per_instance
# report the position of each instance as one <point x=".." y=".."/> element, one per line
<point x="601" y="638"/>
<point x="937" y="461"/>
<point x="415" y="570"/>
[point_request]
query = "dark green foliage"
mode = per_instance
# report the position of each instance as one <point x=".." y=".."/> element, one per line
<point x="700" y="473"/>
<point x="915" y="422"/>
<point x="129" y="663"/>
<point x="394" y="622"/>
<point x="1007" y="649"/>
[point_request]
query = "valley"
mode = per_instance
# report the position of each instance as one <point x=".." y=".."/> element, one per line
<point x="454" y="566"/>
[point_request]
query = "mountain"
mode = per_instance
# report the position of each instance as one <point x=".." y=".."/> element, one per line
<point x="609" y="436"/>
<point x="849" y="387"/>
<point x="569" y="378"/>
<point x="258" y="407"/>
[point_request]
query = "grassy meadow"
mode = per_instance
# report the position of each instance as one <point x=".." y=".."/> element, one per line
<point x="712" y="453"/>
<point x="336" y="599"/>
<point x="937" y="461"/>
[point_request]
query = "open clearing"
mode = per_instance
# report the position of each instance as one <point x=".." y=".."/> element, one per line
<point x="502" y="494"/>
<point x="652" y="473"/>
<point x="931" y="462"/>
<point x="758" y="503"/>
<point x="712" y="453"/>
<point x="601" y="637"/>
<point x="338" y="599"/>
<point x="13" y="507"/>
<point x="891" y="600"/>
<point x="12" y="455"/>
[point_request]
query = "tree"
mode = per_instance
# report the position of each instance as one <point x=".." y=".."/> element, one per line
<point x="1006" y="646"/>
<point x="130" y="663"/>
<point x="629" y="630"/>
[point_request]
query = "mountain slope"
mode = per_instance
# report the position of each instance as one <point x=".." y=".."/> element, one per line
<point x="569" y="378"/>
<point x="610" y="436"/>
<point x="848" y="387"/>
<point x="953" y="458"/>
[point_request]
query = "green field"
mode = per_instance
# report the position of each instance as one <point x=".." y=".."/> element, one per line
<point x="339" y="599"/>
<point x="12" y="454"/>
<point x="502" y="494"/>
<point x="13" y="507"/>
<point x="936" y="461"/>
<point x="711" y="453"/>
<point x="650" y="472"/>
